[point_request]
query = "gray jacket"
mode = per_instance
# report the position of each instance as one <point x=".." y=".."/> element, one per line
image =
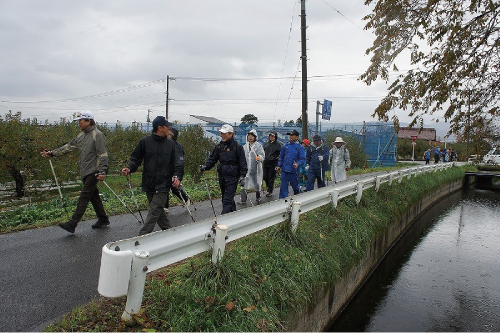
<point x="93" y="154"/>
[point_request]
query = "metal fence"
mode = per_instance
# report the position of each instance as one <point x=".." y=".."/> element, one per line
<point x="125" y="263"/>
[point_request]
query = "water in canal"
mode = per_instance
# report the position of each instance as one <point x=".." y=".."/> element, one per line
<point x="443" y="275"/>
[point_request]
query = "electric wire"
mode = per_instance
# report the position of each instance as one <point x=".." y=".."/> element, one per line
<point x="284" y="61"/>
<point x="335" y="9"/>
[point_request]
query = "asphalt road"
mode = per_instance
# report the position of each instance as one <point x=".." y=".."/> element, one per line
<point x="47" y="272"/>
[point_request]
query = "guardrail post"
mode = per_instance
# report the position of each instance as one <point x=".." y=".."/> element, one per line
<point x="294" y="219"/>
<point x="219" y="243"/>
<point x="377" y="183"/>
<point x="401" y="175"/>
<point x="335" y="197"/>
<point x="409" y="173"/>
<point x="136" y="284"/>
<point x="359" y="192"/>
<point x="390" y="178"/>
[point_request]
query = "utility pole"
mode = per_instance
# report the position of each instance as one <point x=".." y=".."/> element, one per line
<point x="148" y="119"/>
<point x="303" y="28"/>
<point x="166" y="93"/>
<point x="318" y="103"/>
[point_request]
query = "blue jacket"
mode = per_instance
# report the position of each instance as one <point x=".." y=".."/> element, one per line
<point x="290" y="153"/>
<point x="427" y="155"/>
<point x="312" y="154"/>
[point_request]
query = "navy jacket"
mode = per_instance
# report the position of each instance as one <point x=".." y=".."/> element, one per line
<point x="312" y="154"/>
<point x="231" y="158"/>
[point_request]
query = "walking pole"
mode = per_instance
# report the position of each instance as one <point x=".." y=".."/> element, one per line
<point x="133" y="195"/>
<point x="209" y="196"/>
<point x="54" y="173"/>
<point x="185" y="205"/>
<point x="189" y="198"/>
<point x="246" y="192"/>
<point x="123" y="203"/>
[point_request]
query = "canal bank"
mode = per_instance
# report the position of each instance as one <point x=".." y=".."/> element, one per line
<point x="441" y="276"/>
<point x="332" y="300"/>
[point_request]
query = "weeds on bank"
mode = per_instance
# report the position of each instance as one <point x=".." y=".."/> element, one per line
<point x="266" y="279"/>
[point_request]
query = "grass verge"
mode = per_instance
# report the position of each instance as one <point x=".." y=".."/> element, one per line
<point x="265" y="278"/>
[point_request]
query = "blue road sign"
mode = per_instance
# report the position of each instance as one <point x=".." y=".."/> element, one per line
<point x="327" y="110"/>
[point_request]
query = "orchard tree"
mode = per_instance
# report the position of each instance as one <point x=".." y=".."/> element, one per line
<point x="455" y="51"/>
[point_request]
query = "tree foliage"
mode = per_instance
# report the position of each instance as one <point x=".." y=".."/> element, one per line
<point x="456" y="71"/>
<point x="249" y="119"/>
<point x="23" y="140"/>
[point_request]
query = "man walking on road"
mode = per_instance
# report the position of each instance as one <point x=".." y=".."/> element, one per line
<point x="292" y="156"/>
<point x="94" y="164"/>
<point x="340" y="160"/>
<point x="232" y="167"/>
<point x="317" y="156"/>
<point x="162" y="169"/>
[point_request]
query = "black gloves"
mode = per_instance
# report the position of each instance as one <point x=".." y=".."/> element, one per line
<point x="241" y="181"/>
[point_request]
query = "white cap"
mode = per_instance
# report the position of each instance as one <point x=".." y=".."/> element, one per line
<point x="226" y="128"/>
<point x="83" y="115"/>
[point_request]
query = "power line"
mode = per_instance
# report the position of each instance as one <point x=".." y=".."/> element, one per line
<point x="335" y="9"/>
<point x="284" y="61"/>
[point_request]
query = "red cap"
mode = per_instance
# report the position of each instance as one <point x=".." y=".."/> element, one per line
<point x="306" y="142"/>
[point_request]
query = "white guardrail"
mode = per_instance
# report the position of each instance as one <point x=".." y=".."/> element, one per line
<point x="125" y="263"/>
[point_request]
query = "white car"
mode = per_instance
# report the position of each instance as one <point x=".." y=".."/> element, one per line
<point x="493" y="157"/>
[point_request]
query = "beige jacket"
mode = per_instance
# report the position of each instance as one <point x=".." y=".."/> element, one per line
<point x="93" y="154"/>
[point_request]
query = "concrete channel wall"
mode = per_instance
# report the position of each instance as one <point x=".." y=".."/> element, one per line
<point x="330" y="302"/>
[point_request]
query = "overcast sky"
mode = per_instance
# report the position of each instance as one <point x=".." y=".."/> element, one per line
<point x="227" y="59"/>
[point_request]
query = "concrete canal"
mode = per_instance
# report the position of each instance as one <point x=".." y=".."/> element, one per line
<point x="441" y="276"/>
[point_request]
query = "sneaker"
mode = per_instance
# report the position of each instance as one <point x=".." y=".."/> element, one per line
<point x="100" y="224"/>
<point x="166" y="210"/>
<point x="188" y="202"/>
<point x="68" y="227"/>
<point x="268" y="194"/>
<point x="242" y="202"/>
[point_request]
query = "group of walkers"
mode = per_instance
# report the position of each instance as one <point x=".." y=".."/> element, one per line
<point x="446" y="155"/>
<point x="162" y="157"/>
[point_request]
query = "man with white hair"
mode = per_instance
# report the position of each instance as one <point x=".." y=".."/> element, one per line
<point x="232" y="167"/>
<point x="340" y="161"/>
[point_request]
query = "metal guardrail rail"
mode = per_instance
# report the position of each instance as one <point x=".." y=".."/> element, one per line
<point x="125" y="263"/>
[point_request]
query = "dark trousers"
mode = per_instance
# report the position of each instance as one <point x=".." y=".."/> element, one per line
<point x="314" y="175"/>
<point x="89" y="192"/>
<point x="269" y="176"/>
<point x="228" y="187"/>
<point x="436" y="158"/>
<point x="179" y="193"/>
<point x="156" y="214"/>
